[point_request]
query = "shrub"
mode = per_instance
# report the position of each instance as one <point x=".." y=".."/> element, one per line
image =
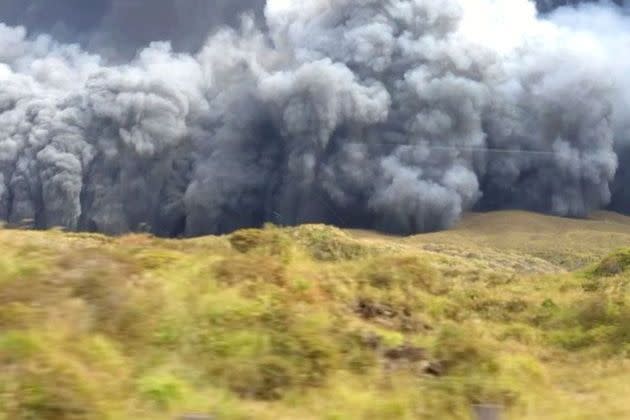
<point x="121" y="301"/>
<point x="325" y="243"/>
<point x="270" y="241"/>
<point x="522" y="333"/>
<point x="404" y="272"/>
<point x="592" y="284"/>
<point x="461" y="350"/>
<point x="547" y="312"/>
<point x="18" y="315"/>
<point x="595" y="311"/>
<point x="397" y="309"/>
<point x="45" y="376"/>
<point x="572" y="338"/>
<point x="614" y="264"/>
<point x="238" y="340"/>
<point x="153" y="259"/>
<point x="596" y="320"/>
<point x="45" y="385"/>
<point x="160" y="389"/>
<point x="17" y="346"/>
<point x="243" y="269"/>
<point x="266" y="378"/>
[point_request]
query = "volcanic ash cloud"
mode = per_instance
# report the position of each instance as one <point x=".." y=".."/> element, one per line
<point x="397" y="115"/>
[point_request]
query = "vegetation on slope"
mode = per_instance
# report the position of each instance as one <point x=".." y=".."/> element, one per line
<point x="310" y="323"/>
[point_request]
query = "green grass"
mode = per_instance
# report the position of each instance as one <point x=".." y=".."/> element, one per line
<point x="314" y="322"/>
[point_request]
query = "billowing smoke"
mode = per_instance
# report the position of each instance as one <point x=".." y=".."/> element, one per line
<point x="398" y="115"/>
<point x="549" y="5"/>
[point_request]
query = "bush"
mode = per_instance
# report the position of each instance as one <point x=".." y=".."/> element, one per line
<point x="270" y="241"/>
<point x="17" y="315"/>
<point x="121" y="301"/>
<point x="460" y="350"/>
<point x="40" y="384"/>
<point x="596" y="320"/>
<point x="152" y="259"/>
<point x="240" y="270"/>
<point x="238" y="340"/>
<point x="396" y="309"/>
<point x="572" y="338"/>
<point x="325" y="243"/>
<point x="47" y="376"/>
<point x="404" y="272"/>
<point x="17" y="346"/>
<point x="522" y="333"/>
<point x="595" y="311"/>
<point x="265" y="378"/>
<point x="160" y="389"/>
<point x="614" y="264"/>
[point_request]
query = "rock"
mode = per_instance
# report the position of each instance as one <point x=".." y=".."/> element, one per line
<point x="406" y="352"/>
<point x="369" y="310"/>
<point x="434" y="368"/>
<point x="371" y="341"/>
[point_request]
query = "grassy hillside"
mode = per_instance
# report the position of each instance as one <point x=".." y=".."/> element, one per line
<point x="316" y="323"/>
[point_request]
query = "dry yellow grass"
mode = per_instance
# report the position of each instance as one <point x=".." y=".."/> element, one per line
<point x="315" y="322"/>
<point x="565" y="243"/>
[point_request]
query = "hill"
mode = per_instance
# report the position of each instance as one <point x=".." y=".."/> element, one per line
<point x="314" y="322"/>
<point x="565" y="243"/>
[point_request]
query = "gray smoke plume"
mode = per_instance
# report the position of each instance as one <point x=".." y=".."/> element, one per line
<point x="398" y="115"/>
<point x="549" y="5"/>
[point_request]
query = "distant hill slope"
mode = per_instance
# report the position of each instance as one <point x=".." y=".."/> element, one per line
<point x="314" y="322"/>
<point x="565" y="243"/>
